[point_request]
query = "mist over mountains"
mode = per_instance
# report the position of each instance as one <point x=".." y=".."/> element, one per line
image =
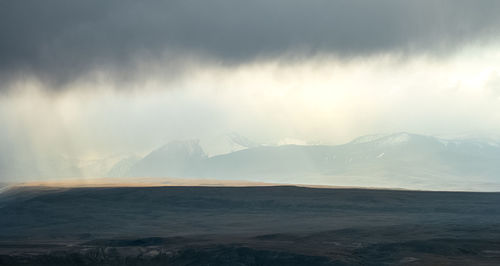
<point x="397" y="160"/>
<point x="400" y="160"/>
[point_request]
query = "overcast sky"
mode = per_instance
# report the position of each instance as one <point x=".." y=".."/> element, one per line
<point x="91" y="79"/>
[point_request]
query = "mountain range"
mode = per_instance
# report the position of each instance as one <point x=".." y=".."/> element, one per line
<point x="402" y="160"/>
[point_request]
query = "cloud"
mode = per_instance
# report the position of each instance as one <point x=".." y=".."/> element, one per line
<point x="58" y="41"/>
<point x="84" y="80"/>
<point x="318" y="100"/>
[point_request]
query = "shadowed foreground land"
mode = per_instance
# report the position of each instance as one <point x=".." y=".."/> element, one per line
<point x="247" y="226"/>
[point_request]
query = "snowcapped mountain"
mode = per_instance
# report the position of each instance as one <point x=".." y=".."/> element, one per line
<point x="395" y="160"/>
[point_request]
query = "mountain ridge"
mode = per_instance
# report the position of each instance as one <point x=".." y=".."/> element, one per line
<point x="401" y="159"/>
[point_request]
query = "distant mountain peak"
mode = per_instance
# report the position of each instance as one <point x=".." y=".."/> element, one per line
<point x="241" y="140"/>
<point x="226" y="143"/>
<point x="185" y="148"/>
<point x="172" y="159"/>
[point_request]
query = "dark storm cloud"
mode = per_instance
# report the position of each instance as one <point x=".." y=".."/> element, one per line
<point x="58" y="40"/>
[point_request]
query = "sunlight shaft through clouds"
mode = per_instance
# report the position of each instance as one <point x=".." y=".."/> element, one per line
<point x="320" y="99"/>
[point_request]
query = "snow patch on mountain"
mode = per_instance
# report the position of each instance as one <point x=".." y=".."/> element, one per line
<point x="384" y="139"/>
<point x="368" y="138"/>
<point x="395" y="139"/>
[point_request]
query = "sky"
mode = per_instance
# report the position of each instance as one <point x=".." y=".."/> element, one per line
<point x="86" y="80"/>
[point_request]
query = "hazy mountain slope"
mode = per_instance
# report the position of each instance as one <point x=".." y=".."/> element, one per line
<point x="174" y="159"/>
<point x="402" y="159"/>
<point x="267" y="161"/>
<point x="397" y="155"/>
<point x="123" y="167"/>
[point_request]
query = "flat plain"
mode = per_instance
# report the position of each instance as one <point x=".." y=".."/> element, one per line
<point x="265" y="225"/>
